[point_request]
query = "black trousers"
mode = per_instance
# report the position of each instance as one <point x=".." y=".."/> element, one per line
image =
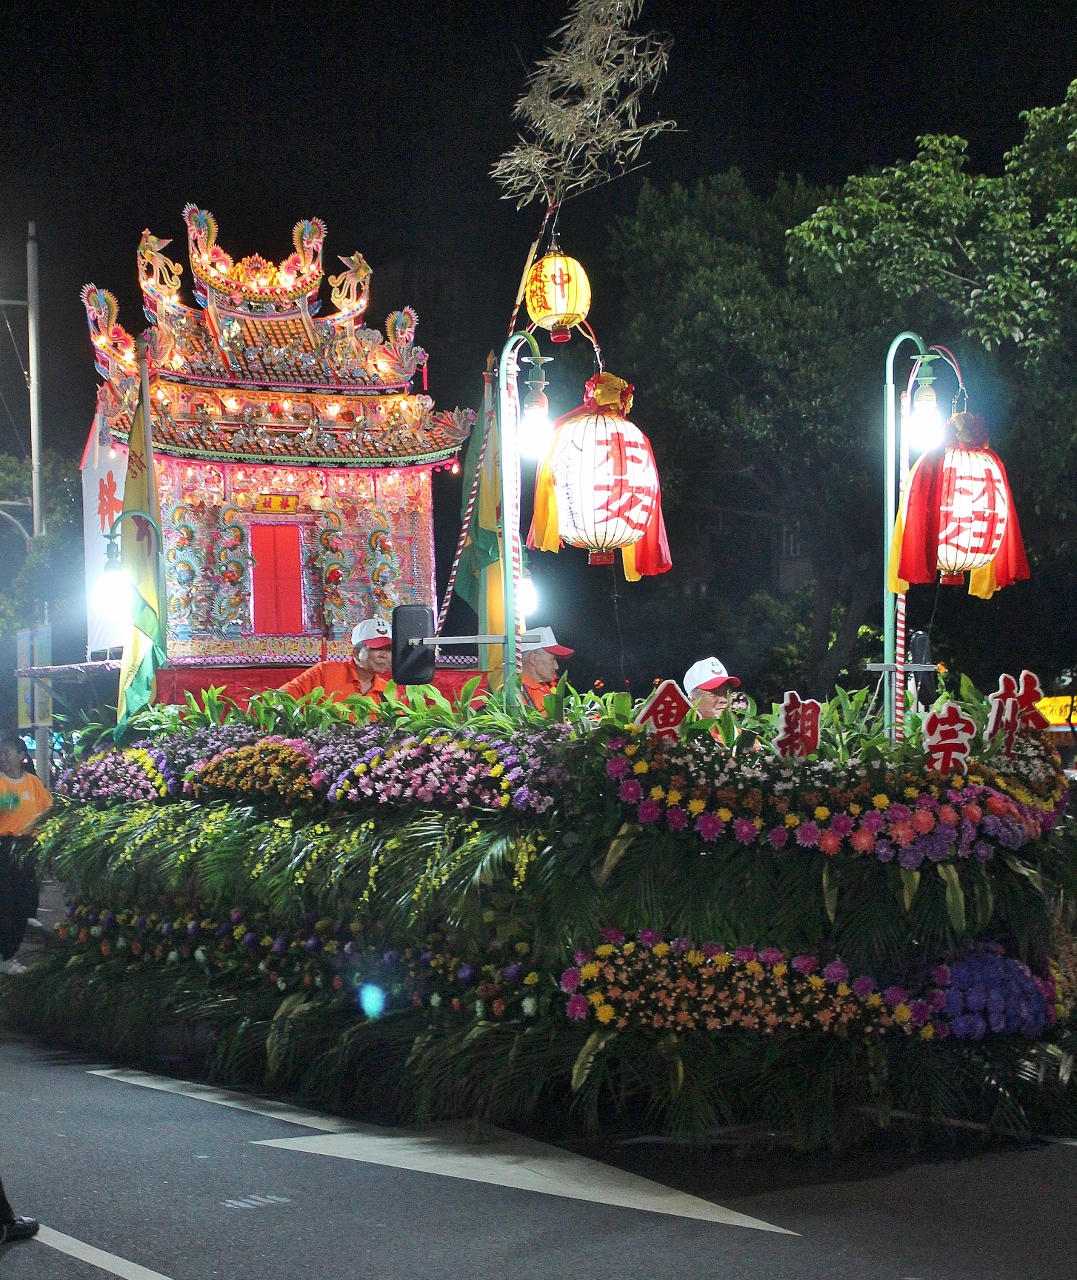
<point x="7" y="1213"/>
<point x="18" y="894"/>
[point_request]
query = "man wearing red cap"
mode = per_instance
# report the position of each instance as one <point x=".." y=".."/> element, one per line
<point x="538" y="659"/>
<point x="709" y="686"/>
<point x="365" y="672"/>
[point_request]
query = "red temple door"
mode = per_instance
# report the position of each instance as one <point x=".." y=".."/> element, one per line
<point x="277" y="579"/>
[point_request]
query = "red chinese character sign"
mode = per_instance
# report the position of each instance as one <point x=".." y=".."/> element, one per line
<point x="948" y="734"/>
<point x="598" y="486"/>
<point x="798" y="726"/>
<point x="1013" y="709"/>
<point x="957" y="514"/>
<point x="663" y="712"/>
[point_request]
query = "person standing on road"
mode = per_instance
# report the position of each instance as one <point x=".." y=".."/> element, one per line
<point x="22" y="801"/>
<point x="13" y="1227"/>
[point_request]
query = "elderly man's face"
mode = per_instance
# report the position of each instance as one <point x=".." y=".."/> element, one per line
<point x="377" y="661"/>
<point x="539" y="665"/>
<point x="711" y="703"/>
<point x="10" y="760"/>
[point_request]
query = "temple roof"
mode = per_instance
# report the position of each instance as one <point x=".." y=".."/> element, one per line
<point x="252" y="372"/>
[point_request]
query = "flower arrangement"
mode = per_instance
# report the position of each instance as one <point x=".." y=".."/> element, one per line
<point x="892" y="810"/>
<point x="119" y="777"/>
<point x="275" y="767"/>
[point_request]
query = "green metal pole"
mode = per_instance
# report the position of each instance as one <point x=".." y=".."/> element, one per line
<point x="509" y="446"/>
<point x="890" y="466"/>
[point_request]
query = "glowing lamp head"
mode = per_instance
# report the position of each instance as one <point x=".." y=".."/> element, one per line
<point x="536" y="433"/>
<point x="371" y="1000"/>
<point x="527" y="597"/>
<point x="925" y="421"/>
<point x="558" y="294"/>
<point x="113" y="591"/>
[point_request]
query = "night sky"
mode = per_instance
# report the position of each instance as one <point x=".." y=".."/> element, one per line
<point x="384" y="119"/>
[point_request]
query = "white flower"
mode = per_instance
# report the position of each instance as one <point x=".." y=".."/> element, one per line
<point x="480" y="1009"/>
<point x="530" y="1006"/>
<point x="173" y="957"/>
<point x="95" y="931"/>
<point x="200" y="955"/>
<point x="435" y="1001"/>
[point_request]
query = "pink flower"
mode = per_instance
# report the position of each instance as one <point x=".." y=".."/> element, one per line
<point x="617" y="767"/>
<point x="898" y="813"/>
<point x="936" y="1000"/>
<point x="712" y="949"/>
<point x="829" y="843"/>
<point x="744" y="955"/>
<point x="676" y="818"/>
<point x="582" y="957"/>
<point x="863" y="841"/>
<point x="770" y="956"/>
<point x="902" y="833"/>
<point x="613" y="936"/>
<point x="842" y="825"/>
<point x="779" y="837"/>
<point x="940" y="975"/>
<point x="864" y="986"/>
<point x="873" y="821"/>
<point x="648" y="812"/>
<point x="895" y="996"/>
<point x="615" y="744"/>
<point x="925" y="800"/>
<point x="836" y="971"/>
<point x="577" y="1007"/>
<point x="744" y="830"/>
<point x="805" y="964"/>
<point x="630" y="790"/>
<point x="921" y="1013"/>
<point x="648" y="937"/>
<point x="807" y="834"/>
<point x="923" y="820"/>
<point x="709" y="826"/>
<point x="941" y="1029"/>
<point x="570" y="980"/>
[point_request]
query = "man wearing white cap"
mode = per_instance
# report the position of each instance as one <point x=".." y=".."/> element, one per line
<point x="538" y="658"/>
<point x="708" y="686"/>
<point x="365" y="672"/>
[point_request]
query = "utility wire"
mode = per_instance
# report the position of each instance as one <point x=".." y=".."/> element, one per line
<point x="18" y="353"/>
<point x="14" y="428"/>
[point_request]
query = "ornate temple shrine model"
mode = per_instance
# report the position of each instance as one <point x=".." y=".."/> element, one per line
<point x="293" y="459"/>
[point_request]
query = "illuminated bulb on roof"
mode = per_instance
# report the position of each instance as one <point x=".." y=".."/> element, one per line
<point x="286" y="405"/>
<point x="231" y="404"/>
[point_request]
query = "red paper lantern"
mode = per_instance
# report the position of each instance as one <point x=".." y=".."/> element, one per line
<point x="598" y="487"/>
<point x="957" y="514"/>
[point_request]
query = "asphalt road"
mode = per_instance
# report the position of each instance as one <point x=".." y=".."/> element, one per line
<point x="180" y="1187"/>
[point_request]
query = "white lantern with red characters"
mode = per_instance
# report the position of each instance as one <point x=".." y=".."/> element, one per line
<point x="598" y="486"/>
<point x="957" y="514"/>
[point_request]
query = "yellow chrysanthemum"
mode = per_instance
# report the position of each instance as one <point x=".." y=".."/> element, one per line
<point x="641" y="766"/>
<point x="754" y="968"/>
<point x="658" y="793"/>
<point x="854" y="809"/>
<point x="875" y="1000"/>
<point x="696" y="807"/>
<point x="694" y="957"/>
<point x="604" y="950"/>
<point x="725" y="814"/>
<point x="821" y="813"/>
<point x="911" y="793"/>
<point x="604" y="1013"/>
<point x="816" y="982"/>
<point x="673" y="797"/>
<point x="927" y="1032"/>
<point x="881" y="801"/>
<point x="661" y="949"/>
<point x="596" y="998"/>
<point x="589" y="971"/>
<point x="780" y="969"/>
<point x="722" y="961"/>
<point x="902" y="1014"/>
<point x="531" y="979"/>
<point x="844" y="990"/>
<point x="631" y="749"/>
<point x="791" y="820"/>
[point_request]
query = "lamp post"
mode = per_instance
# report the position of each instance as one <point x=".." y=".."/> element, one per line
<point x="114" y="570"/>
<point x="924" y="406"/>
<point x="508" y="422"/>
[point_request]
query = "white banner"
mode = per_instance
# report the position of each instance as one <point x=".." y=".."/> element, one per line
<point x="104" y="472"/>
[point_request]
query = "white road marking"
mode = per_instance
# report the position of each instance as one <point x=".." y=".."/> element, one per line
<point x="109" y="1262"/>
<point x="509" y="1160"/>
<point x="228" y="1098"/>
<point x="255" y="1202"/>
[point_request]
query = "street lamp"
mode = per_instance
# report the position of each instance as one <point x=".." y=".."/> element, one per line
<point x="508" y="428"/>
<point x="918" y="428"/>
<point x="114" y="589"/>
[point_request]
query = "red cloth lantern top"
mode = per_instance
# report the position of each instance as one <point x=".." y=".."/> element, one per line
<point x="957" y="514"/>
<point x="598" y="485"/>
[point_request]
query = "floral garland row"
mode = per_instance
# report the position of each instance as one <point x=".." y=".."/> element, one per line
<point x="894" y="812"/>
<point x="647" y="983"/>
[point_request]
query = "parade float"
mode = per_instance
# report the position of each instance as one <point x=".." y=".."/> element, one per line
<point x="292" y="456"/>
<point x="794" y="925"/>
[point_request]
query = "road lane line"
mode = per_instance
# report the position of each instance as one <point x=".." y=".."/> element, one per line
<point x="507" y="1160"/>
<point x="109" y="1262"/>
<point x="510" y="1160"/>
<point x="228" y="1098"/>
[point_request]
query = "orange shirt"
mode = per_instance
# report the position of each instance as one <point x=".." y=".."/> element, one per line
<point x="338" y="679"/>
<point x="21" y="801"/>
<point x="537" y="692"/>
